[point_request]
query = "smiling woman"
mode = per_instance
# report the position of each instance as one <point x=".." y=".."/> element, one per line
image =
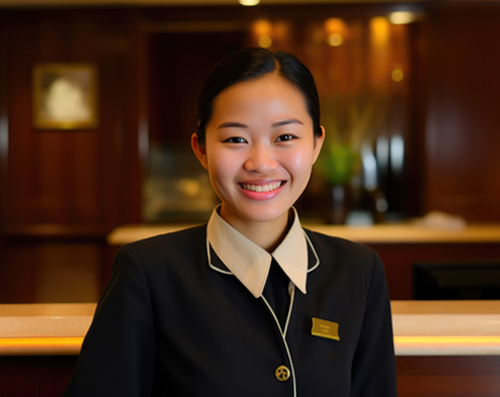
<point x="250" y="303"/>
<point x="259" y="151"/>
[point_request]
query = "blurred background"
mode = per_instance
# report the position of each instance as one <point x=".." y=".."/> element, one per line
<point x="98" y="98"/>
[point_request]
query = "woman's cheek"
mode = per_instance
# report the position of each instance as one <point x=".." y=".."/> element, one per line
<point x="228" y="161"/>
<point x="299" y="161"/>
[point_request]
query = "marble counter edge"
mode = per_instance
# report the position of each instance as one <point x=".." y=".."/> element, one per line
<point x="385" y="233"/>
<point x="421" y="328"/>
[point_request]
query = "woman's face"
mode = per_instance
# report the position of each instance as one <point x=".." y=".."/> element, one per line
<point x="259" y="149"/>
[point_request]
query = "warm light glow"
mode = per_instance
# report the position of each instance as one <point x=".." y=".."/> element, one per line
<point x="397" y="75"/>
<point x="379" y="29"/>
<point x="335" y="39"/>
<point x="334" y="25"/>
<point x="401" y="17"/>
<point x="262" y="31"/>
<point x="438" y="341"/>
<point x="249" y="2"/>
<point x="262" y="27"/>
<point x="265" y="41"/>
<point x="62" y="345"/>
<point x="447" y="345"/>
<point x="336" y="30"/>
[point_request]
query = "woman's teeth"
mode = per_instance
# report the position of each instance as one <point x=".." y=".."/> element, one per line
<point x="261" y="188"/>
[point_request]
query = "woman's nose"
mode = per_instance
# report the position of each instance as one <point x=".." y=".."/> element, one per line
<point x="261" y="160"/>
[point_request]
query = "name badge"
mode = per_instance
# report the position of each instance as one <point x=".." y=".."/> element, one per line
<point x="325" y="329"/>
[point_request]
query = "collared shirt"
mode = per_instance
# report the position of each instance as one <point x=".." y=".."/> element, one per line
<point x="250" y="263"/>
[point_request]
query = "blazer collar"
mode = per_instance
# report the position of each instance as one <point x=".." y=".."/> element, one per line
<point x="230" y="252"/>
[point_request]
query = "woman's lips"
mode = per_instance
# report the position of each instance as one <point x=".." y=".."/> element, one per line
<point x="261" y="191"/>
<point x="261" y="188"/>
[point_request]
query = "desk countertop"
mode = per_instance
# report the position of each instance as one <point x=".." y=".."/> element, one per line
<point x="386" y="233"/>
<point x="421" y="328"/>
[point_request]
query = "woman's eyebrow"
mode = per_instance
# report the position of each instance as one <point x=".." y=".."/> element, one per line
<point x="234" y="124"/>
<point x="231" y="124"/>
<point x="287" y="121"/>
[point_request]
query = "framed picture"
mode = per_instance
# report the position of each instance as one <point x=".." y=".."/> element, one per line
<point x="64" y="96"/>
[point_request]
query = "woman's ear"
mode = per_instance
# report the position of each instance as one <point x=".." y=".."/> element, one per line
<point x="199" y="150"/>
<point x="318" y="144"/>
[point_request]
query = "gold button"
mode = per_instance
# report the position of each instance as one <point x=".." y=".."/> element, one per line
<point x="282" y="373"/>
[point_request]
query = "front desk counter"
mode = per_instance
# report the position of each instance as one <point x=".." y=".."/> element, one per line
<point x="443" y="348"/>
<point x="399" y="245"/>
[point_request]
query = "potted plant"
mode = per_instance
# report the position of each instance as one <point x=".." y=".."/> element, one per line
<point x="347" y="124"/>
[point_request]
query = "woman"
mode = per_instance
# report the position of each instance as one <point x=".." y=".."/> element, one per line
<point x="250" y="304"/>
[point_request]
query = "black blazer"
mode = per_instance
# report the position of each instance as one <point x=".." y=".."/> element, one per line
<point x="168" y="324"/>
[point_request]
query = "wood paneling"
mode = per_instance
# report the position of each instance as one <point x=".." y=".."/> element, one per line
<point x="415" y="140"/>
<point x="62" y="189"/>
<point x="473" y="376"/>
<point x="462" y="137"/>
<point x="399" y="260"/>
<point x="67" y="177"/>
<point x="53" y="263"/>
<point x="44" y="376"/>
<point x="92" y="179"/>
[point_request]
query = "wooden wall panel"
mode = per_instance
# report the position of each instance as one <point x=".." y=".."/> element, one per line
<point x="462" y="139"/>
<point x="448" y="376"/>
<point x="51" y="272"/>
<point x="67" y="176"/>
<point x="61" y="187"/>
<point x="92" y="179"/>
<point x="399" y="260"/>
<point x="43" y="376"/>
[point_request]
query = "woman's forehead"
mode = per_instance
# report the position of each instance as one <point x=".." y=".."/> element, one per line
<point x="267" y="95"/>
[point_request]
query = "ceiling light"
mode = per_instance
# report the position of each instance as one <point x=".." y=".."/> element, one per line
<point x="397" y="75"/>
<point x="249" y="2"/>
<point x="265" y="41"/>
<point x="335" y="39"/>
<point x="401" y="17"/>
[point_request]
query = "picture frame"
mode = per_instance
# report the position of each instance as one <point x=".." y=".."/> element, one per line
<point x="65" y="96"/>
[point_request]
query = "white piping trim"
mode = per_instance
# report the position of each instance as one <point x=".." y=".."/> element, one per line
<point x="291" y="291"/>
<point x="212" y="266"/>
<point x="314" y="252"/>
<point x="292" y="296"/>
<point x="231" y="274"/>
<point x="286" y="346"/>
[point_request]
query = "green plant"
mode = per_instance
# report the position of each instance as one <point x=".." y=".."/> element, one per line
<point x="347" y="123"/>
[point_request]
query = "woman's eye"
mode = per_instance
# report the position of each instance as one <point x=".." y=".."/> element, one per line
<point x="285" y="137"/>
<point x="235" y="139"/>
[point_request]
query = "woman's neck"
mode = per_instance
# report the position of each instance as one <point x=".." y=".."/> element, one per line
<point x="267" y="235"/>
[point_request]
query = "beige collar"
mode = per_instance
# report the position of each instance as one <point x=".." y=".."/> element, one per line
<point x="250" y="263"/>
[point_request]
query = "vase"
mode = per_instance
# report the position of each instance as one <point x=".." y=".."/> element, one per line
<point x="340" y="204"/>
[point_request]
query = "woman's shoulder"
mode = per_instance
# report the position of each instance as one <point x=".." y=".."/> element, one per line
<point x="181" y="242"/>
<point x="327" y="241"/>
<point x="342" y="250"/>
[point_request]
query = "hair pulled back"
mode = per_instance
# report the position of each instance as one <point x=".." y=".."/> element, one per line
<point x="252" y="63"/>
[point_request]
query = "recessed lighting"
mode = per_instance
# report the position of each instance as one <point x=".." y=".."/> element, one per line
<point x="335" y="39"/>
<point x="249" y="2"/>
<point x="401" y="17"/>
<point x="397" y="75"/>
<point x="265" y="41"/>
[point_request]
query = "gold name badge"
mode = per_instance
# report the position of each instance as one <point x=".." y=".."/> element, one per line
<point x="325" y="329"/>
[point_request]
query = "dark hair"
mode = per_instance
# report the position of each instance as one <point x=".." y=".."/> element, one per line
<point x="252" y="63"/>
